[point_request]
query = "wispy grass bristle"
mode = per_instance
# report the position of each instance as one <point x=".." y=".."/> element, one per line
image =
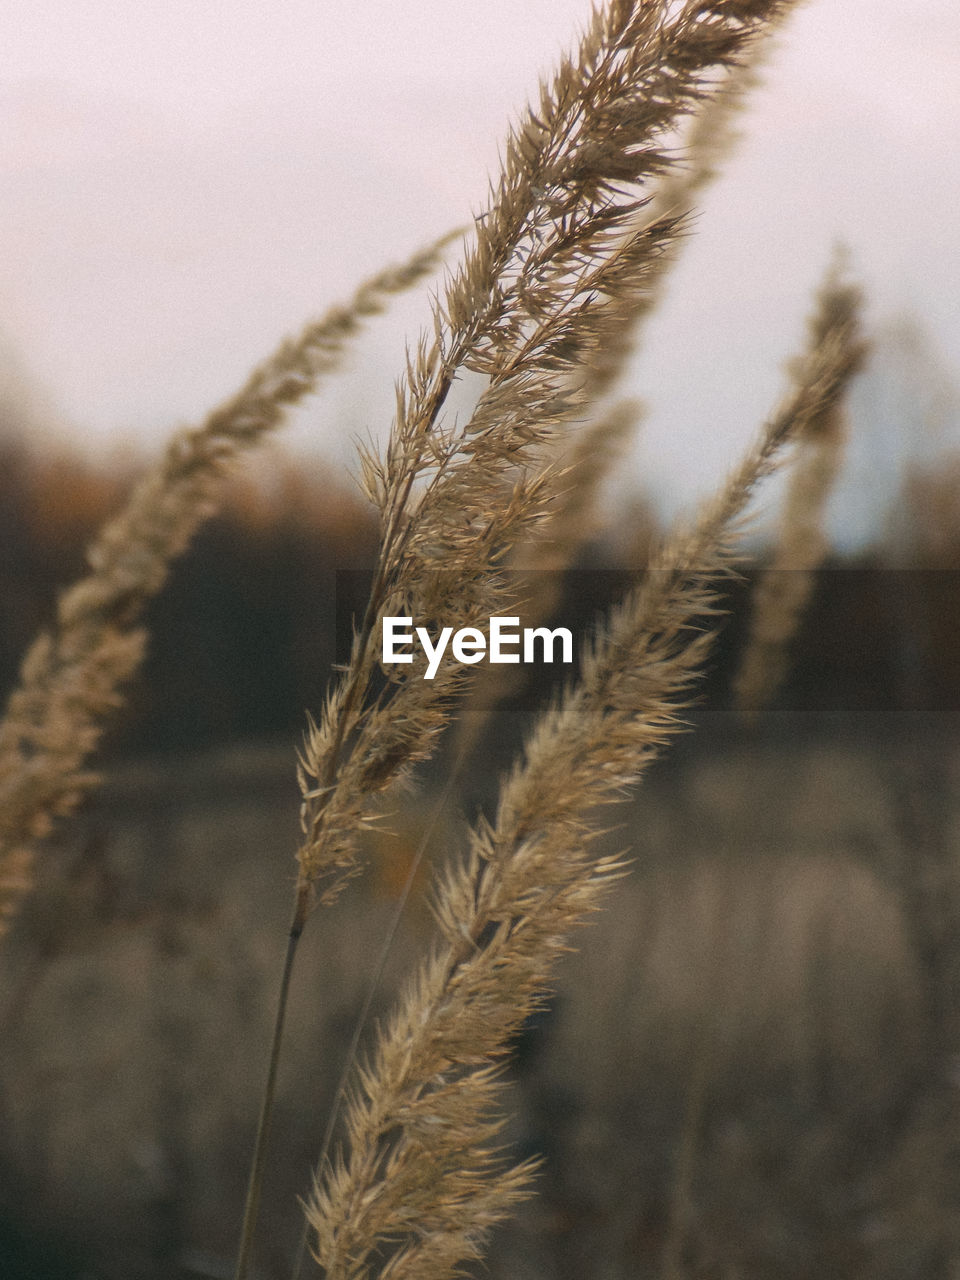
<point x="784" y="588"/>
<point x="420" y="1180"/>
<point x="480" y="510"/>
<point x="72" y="676"/>
<point x="560" y="259"/>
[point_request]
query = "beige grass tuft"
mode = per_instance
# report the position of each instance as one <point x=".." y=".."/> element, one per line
<point x="560" y="259"/>
<point x="783" y="589"/>
<point x="588" y="454"/>
<point x="72" y="676"/>
<point x="420" y="1180"/>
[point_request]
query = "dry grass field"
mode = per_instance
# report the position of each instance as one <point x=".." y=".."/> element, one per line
<point x="742" y="1072"/>
<point x="294" y="972"/>
<point x="737" y="1072"/>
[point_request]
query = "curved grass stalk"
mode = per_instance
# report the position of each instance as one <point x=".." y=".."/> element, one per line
<point x="784" y="587"/>
<point x="72" y="675"/>
<point x="421" y="1182"/>
<point x="558" y="260"/>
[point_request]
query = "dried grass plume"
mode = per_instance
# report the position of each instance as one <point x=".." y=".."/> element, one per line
<point x="73" y="674"/>
<point x="420" y="1180"/>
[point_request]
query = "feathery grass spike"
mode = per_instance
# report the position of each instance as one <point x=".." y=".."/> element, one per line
<point x="559" y="261"/>
<point x="72" y="675"/>
<point x="420" y="1179"/>
<point x="785" y="586"/>
<point x="551" y="545"/>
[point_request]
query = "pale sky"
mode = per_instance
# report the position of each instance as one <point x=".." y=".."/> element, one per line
<point x="181" y="184"/>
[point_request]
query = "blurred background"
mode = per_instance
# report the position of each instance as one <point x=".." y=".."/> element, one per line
<point x="179" y="190"/>
<point x="751" y="1069"/>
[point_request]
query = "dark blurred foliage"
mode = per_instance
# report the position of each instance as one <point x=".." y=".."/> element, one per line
<point x="243" y="638"/>
<point x="242" y="643"/>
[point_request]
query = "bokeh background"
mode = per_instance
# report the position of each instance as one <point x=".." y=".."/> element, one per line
<point x="751" y="1068"/>
<point x="179" y="187"/>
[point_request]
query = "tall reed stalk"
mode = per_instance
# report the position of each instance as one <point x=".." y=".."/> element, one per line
<point x="560" y="258"/>
<point x="72" y="676"/>
<point x="563" y="254"/>
<point x="589" y="453"/>
<point x="784" y="588"/>
<point x="419" y="1181"/>
<point x="572" y="251"/>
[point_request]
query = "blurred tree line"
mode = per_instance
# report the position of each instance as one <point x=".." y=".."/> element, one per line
<point x="243" y="637"/>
